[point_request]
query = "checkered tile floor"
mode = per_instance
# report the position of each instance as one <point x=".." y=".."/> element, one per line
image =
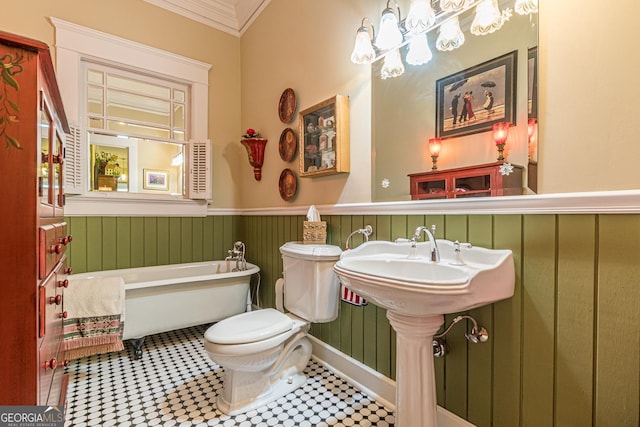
<point x="176" y="384"/>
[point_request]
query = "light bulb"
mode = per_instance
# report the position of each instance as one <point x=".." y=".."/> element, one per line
<point x="419" y="52"/>
<point x="421" y="16"/>
<point x="392" y="66"/>
<point x="390" y="35"/>
<point x="450" y="35"/>
<point x="363" y="52"/>
<point x="488" y="18"/>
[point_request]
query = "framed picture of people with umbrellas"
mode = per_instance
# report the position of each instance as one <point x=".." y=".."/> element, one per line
<point x="472" y="100"/>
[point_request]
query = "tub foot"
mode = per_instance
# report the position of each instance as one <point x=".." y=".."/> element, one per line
<point x="137" y="347"/>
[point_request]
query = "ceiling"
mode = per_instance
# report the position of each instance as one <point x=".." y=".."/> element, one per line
<point x="230" y="16"/>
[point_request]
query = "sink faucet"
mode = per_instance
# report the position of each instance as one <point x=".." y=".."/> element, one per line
<point x="434" y="252"/>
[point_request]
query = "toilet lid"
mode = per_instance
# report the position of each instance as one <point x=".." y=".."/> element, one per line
<point x="249" y="327"/>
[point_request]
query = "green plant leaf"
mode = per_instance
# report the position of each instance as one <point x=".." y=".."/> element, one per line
<point x="10" y="80"/>
<point x="14" y="142"/>
<point x="13" y="105"/>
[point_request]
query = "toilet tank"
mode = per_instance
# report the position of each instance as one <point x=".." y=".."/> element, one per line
<point x="311" y="288"/>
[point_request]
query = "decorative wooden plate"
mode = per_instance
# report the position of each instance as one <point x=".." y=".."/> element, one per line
<point x="287" y="145"/>
<point x="288" y="184"/>
<point x="287" y="105"/>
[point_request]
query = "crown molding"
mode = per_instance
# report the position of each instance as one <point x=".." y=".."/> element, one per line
<point x="231" y="16"/>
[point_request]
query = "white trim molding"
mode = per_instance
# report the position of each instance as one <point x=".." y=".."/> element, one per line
<point x="75" y="43"/>
<point x="133" y="204"/>
<point x="606" y="202"/>
<point x="599" y="202"/>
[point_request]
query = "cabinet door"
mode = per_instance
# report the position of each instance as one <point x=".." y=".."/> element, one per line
<point x="475" y="184"/>
<point x="44" y="171"/>
<point x="57" y="160"/>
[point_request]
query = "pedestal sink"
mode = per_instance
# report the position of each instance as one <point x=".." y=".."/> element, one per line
<point x="416" y="293"/>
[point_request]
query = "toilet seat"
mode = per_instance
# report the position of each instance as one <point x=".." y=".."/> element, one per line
<point x="264" y="335"/>
<point x="249" y="327"/>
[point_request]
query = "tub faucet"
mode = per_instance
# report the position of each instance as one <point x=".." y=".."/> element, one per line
<point x="237" y="254"/>
<point x="434" y="253"/>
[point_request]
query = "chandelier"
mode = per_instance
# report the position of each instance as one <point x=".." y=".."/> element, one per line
<point x="425" y="17"/>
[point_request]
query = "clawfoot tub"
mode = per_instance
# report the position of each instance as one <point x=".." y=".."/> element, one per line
<point x="167" y="297"/>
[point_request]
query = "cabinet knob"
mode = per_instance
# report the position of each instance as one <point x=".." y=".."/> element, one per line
<point x="68" y="270"/>
<point x="44" y="157"/>
<point x="63" y="283"/>
<point x="63" y="315"/>
<point x="56" y="249"/>
<point x="57" y="300"/>
<point x="57" y="159"/>
<point x="66" y="240"/>
<point x="51" y="364"/>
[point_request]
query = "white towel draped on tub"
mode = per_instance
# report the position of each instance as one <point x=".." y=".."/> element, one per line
<point x="95" y="316"/>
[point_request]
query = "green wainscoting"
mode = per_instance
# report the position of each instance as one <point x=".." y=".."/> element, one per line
<point x="563" y="352"/>
<point x="108" y="243"/>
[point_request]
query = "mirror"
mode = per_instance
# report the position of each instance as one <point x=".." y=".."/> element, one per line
<point x="404" y="109"/>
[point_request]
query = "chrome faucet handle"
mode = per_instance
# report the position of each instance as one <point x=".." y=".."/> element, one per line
<point x="457" y="245"/>
<point x="458" y="254"/>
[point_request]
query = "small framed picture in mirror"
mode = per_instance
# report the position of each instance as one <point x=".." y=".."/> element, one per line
<point x="324" y="137"/>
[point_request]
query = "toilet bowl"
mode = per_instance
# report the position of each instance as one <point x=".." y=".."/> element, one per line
<point x="264" y="352"/>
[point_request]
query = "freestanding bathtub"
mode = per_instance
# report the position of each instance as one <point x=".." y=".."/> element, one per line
<point x="167" y="297"/>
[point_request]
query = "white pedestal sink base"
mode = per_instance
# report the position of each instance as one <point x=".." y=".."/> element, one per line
<point x="415" y="379"/>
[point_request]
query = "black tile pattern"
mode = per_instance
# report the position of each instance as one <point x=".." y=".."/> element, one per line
<point x="176" y="384"/>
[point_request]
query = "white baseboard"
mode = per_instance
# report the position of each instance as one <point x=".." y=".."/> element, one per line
<point x="376" y="385"/>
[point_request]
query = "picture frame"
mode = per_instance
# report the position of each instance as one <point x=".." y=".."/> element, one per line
<point x="155" y="179"/>
<point x="532" y="89"/>
<point x="324" y="138"/>
<point x="490" y="88"/>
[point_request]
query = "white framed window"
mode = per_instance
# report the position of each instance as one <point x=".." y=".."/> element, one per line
<point x="114" y="88"/>
<point x="126" y="113"/>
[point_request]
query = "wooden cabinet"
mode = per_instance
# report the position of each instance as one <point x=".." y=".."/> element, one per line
<point x="472" y="181"/>
<point x="33" y="261"/>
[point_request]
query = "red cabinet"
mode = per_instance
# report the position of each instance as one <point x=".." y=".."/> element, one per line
<point x="492" y="179"/>
<point x="32" y="134"/>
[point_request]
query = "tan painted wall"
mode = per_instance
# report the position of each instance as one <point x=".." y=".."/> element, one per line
<point x="144" y="23"/>
<point x="305" y="45"/>
<point x="587" y="93"/>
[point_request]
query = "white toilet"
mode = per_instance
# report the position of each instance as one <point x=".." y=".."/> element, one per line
<point x="264" y="352"/>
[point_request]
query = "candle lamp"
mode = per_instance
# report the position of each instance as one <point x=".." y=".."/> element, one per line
<point x="500" y="135"/>
<point x="434" y="148"/>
